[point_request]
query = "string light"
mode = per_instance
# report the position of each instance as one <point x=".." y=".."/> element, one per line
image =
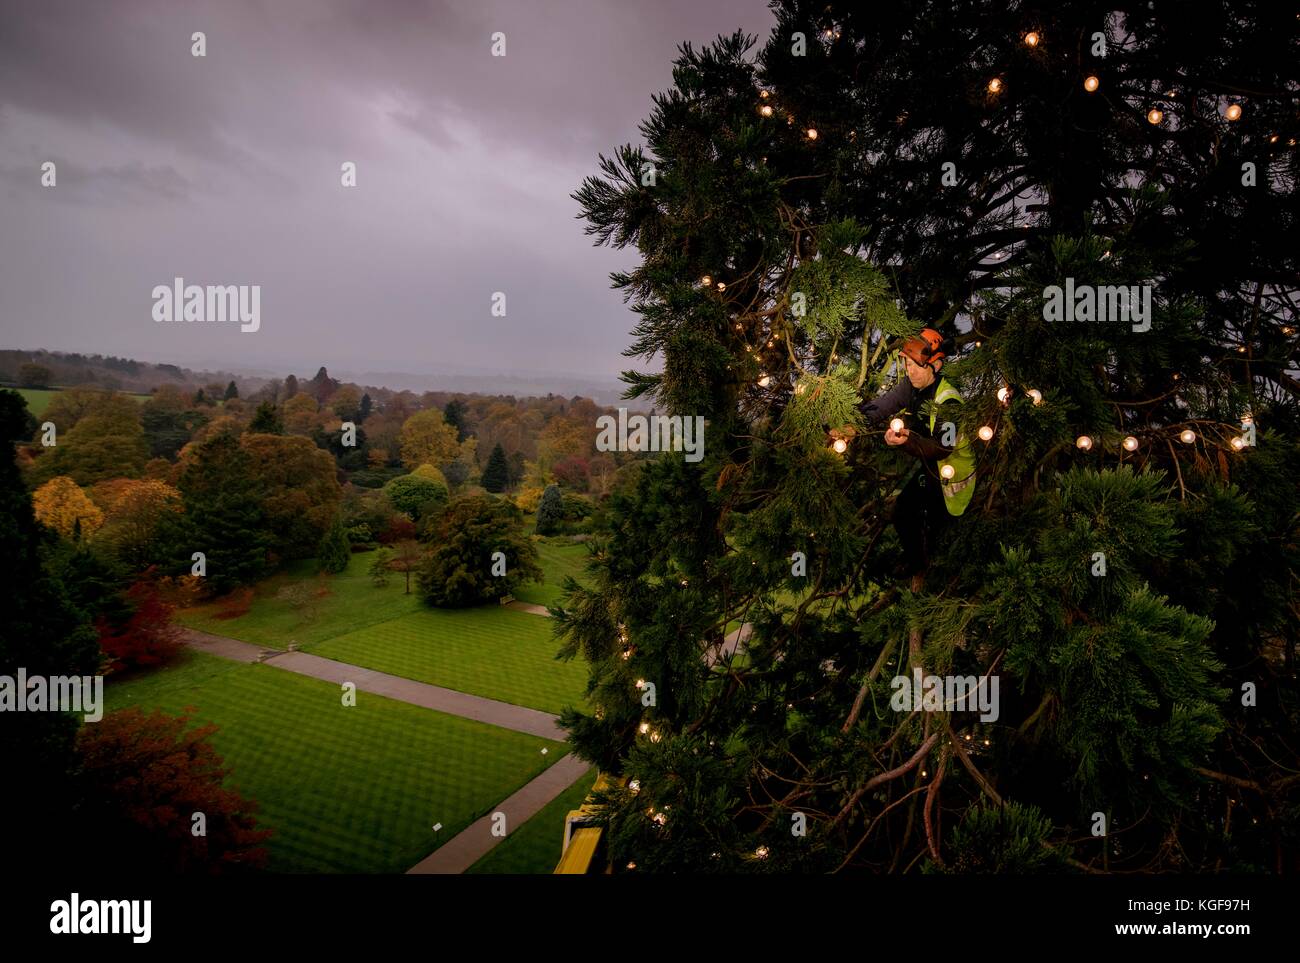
<point x="722" y="285"/>
<point x="631" y="865"/>
<point x="640" y="684"/>
<point x="1031" y="39"/>
<point x="1155" y="115"/>
<point x="654" y="736"/>
<point x="985" y="434"/>
<point x="1187" y="436"/>
<point x="947" y="471"/>
<point x="1091" y="83"/>
<point x="761" y="852"/>
<point x="840" y="446"/>
<point x="764" y="94"/>
<point x="1083" y="442"/>
<point x="995" y="85"/>
<point x="764" y="381"/>
<point x="706" y="280"/>
<point x="635" y="786"/>
<point x="644" y="727"/>
<point x="896" y="425"/>
<point x="1036" y="395"/>
<point x="1238" y="444"/>
<point x="812" y="133"/>
<point x="1233" y="112"/>
<point x="1003" y="394"/>
<point x="1130" y="443"/>
<point x="766" y="110"/>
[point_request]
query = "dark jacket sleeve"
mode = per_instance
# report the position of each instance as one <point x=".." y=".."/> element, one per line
<point x="893" y="401"/>
<point x="927" y="449"/>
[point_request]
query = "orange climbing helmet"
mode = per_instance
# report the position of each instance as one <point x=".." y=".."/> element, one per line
<point x="925" y="348"/>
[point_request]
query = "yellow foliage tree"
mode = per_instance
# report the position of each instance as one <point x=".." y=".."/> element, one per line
<point x="427" y="439"/>
<point x="61" y="505"/>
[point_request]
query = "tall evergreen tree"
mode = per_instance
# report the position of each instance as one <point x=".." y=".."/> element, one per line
<point x="334" y="551"/>
<point x="223" y="516"/>
<point x="232" y="391"/>
<point x="496" y="476"/>
<point x="363" y="410"/>
<point x="550" y="511"/>
<point x="454" y="414"/>
<point x="44" y="633"/>
<point x="267" y="420"/>
<point x="1122" y="568"/>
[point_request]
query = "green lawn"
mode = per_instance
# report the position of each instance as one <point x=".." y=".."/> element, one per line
<point x="535" y="846"/>
<point x="354" y="602"/>
<point x="492" y="651"/>
<point x="489" y="651"/>
<point x="557" y="561"/>
<point x="346" y="789"/>
<point x="38" y="399"/>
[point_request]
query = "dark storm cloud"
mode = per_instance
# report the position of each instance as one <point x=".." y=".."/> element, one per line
<point x="225" y="169"/>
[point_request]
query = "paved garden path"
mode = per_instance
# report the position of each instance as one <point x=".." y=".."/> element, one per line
<point x="503" y="714"/>
<point x="528" y="607"/>
<point x="471" y="844"/>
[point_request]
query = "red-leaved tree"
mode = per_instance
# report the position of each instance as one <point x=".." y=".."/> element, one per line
<point x="147" y="637"/>
<point x="154" y="798"/>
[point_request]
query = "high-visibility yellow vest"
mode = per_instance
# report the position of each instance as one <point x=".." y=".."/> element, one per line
<point x="958" y="490"/>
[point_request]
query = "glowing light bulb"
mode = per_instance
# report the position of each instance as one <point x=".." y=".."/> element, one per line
<point x="764" y="94"/>
<point x="643" y="728"/>
<point x="766" y="110"/>
<point x="995" y="85"/>
<point x="1084" y="442"/>
<point x="1187" y="436"/>
<point x="761" y="852"/>
<point x="1091" y="83"/>
<point x="985" y="433"/>
<point x="1130" y="443"/>
<point x="640" y="683"/>
<point x="1036" y="395"/>
<point x="764" y="381"/>
<point x="1031" y="39"/>
<point x="722" y="285"/>
<point x="706" y="280"/>
<point x="654" y="736"/>
<point x="635" y="786"/>
<point x="896" y="425"/>
<point x="1155" y="115"/>
<point x="840" y="446"/>
<point x="1233" y="112"/>
<point x="1238" y="443"/>
<point x="812" y="133"/>
<point x="1003" y="394"/>
<point x="947" y="471"/>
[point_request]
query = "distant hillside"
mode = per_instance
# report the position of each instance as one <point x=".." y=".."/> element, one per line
<point x="68" y="369"/>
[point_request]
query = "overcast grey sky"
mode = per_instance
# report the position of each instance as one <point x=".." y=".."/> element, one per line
<point x="225" y="169"/>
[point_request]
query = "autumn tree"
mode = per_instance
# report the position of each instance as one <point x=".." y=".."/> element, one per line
<point x="428" y="439"/>
<point x="105" y="441"/>
<point x="61" y="505"/>
<point x="407" y="556"/>
<point x="133" y="510"/>
<point x="148" y="636"/>
<point x="146" y="778"/>
<point x="32" y="375"/>
<point x="301" y="490"/>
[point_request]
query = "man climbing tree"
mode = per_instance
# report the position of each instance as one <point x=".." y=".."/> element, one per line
<point x="1123" y="562"/>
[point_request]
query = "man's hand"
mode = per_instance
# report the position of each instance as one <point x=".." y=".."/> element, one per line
<point x="896" y="437"/>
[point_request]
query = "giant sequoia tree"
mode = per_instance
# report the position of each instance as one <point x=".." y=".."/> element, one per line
<point x="1125" y="568"/>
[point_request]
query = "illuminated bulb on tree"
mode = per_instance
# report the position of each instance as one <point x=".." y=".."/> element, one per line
<point x="985" y="433"/>
<point x="896" y="425"/>
<point x="995" y="85"/>
<point x="1036" y="395"/>
<point x="947" y="471"/>
<point x="1091" y="83"/>
<point x="840" y="446"/>
<point x="722" y="285"/>
<point x="1031" y="39"/>
<point x="766" y="110"/>
<point x="1187" y="436"/>
<point x="635" y="786"/>
<point x="1130" y="443"/>
<point x="1155" y="115"/>
<point x="643" y="728"/>
<point x="764" y="381"/>
<point x="1084" y="442"/>
<point x="812" y="133"/>
<point x="764" y="94"/>
<point x="706" y="280"/>
<point x="1003" y="394"/>
<point x="1233" y="112"/>
<point x="1238" y="444"/>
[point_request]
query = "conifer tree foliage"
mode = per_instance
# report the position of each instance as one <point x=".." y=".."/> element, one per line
<point x="1125" y="567"/>
<point x="550" y="510"/>
<point x="496" y="476"/>
<point x="478" y="552"/>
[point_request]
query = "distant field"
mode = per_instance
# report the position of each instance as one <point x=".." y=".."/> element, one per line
<point x="38" y="399"/>
<point x="535" y="847"/>
<point x="347" y="789"/>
